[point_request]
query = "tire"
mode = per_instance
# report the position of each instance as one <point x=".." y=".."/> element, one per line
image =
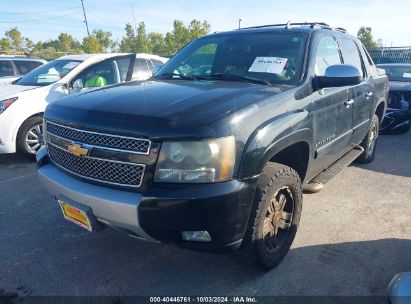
<point x="30" y="137"/>
<point x="369" y="143"/>
<point x="272" y="226"/>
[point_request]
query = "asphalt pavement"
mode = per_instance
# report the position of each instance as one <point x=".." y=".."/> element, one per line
<point x="354" y="236"/>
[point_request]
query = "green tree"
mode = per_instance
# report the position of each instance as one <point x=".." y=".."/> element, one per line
<point x="142" y="41"/>
<point x="365" y="35"/>
<point x="158" y="44"/>
<point x="197" y="28"/>
<point x="15" y="38"/>
<point x="127" y="43"/>
<point x="181" y="34"/>
<point x="91" y="45"/>
<point x="66" y="43"/>
<point x="104" y="39"/>
<point x="4" y="44"/>
<point x="28" y="44"/>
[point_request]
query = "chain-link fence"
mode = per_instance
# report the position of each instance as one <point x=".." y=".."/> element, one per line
<point x="391" y="55"/>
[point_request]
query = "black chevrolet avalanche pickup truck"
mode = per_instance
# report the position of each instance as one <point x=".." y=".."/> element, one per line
<point x="214" y="151"/>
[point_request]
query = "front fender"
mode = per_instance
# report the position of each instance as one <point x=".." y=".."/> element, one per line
<point x="272" y="137"/>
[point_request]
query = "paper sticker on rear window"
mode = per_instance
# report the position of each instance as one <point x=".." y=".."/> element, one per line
<point x="273" y="65"/>
<point x="406" y="75"/>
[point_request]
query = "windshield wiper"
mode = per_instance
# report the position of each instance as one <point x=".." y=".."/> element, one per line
<point x="227" y="76"/>
<point x="171" y="75"/>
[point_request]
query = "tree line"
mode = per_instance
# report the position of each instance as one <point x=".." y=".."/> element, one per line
<point x="135" y="40"/>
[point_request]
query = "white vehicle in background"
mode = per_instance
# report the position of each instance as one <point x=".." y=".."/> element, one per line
<point x="23" y="102"/>
<point x="13" y="67"/>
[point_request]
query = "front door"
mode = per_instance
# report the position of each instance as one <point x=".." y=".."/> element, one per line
<point x="332" y="110"/>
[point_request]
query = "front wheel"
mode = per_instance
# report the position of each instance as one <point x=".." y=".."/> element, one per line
<point x="369" y="143"/>
<point x="30" y="136"/>
<point x="275" y="217"/>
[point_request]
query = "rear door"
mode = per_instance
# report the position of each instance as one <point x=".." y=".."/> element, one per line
<point x="362" y="94"/>
<point x="332" y="118"/>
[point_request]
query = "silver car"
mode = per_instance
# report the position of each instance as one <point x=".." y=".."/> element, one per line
<point x="13" y="67"/>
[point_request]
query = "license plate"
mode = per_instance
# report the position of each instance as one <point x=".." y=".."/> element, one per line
<point x="75" y="215"/>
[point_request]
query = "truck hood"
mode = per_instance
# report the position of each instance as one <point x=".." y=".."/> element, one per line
<point x="158" y="105"/>
<point x="7" y="90"/>
<point x="400" y="86"/>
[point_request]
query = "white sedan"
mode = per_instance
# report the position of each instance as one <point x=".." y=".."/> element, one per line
<point x="23" y="102"/>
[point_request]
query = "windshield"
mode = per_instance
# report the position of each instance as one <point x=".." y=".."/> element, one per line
<point x="397" y="72"/>
<point x="48" y="73"/>
<point x="255" y="57"/>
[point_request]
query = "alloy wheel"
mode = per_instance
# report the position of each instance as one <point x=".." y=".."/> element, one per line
<point x="34" y="139"/>
<point x="278" y="219"/>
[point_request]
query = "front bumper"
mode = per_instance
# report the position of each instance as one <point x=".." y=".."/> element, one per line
<point x="163" y="210"/>
<point x="7" y="147"/>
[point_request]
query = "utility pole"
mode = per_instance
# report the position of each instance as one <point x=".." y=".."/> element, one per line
<point x="134" y="18"/>
<point x="239" y="23"/>
<point x="85" y="18"/>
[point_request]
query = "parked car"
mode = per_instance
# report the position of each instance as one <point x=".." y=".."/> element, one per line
<point x="23" y="102"/>
<point x="398" y="115"/>
<point x="13" y="67"/>
<point x="146" y="65"/>
<point x="213" y="151"/>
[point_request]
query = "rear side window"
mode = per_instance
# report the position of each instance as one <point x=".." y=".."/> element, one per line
<point x="370" y="62"/>
<point x="6" y="69"/>
<point x="351" y="53"/>
<point x="140" y="65"/>
<point x="327" y="55"/>
<point x="157" y="62"/>
<point x="26" y="66"/>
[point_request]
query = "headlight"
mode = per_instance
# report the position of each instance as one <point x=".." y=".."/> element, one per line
<point x="4" y="104"/>
<point x="205" y="161"/>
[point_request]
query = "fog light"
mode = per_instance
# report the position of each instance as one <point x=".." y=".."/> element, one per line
<point x="198" y="236"/>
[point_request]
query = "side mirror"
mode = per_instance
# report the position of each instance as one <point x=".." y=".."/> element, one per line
<point x="77" y="86"/>
<point x="339" y="75"/>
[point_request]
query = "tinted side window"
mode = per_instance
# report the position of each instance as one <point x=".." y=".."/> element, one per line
<point x="157" y="62"/>
<point x="140" y="65"/>
<point x="110" y="71"/>
<point x="327" y="55"/>
<point x="6" y="69"/>
<point x="26" y="66"/>
<point x="351" y="54"/>
<point x="370" y="62"/>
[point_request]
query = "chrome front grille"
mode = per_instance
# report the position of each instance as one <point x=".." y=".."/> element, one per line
<point x="96" y="167"/>
<point x="113" y="172"/>
<point x="109" y="141"/>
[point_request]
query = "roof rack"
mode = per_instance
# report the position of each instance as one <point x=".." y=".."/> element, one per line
<point x="289" y="25"/>
<point x="341" y="29"/>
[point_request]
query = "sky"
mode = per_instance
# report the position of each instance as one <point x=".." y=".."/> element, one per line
<point x="46" y="19"/>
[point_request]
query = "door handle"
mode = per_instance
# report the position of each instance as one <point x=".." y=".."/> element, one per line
<point x="349" y="102"/>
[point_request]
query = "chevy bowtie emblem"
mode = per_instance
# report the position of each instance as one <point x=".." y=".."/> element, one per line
<point x="77" y="150"/>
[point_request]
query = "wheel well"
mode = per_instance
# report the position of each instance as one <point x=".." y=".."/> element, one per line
<point x="380" y="111"/>
<point x="19" y="128"/>
<point x="294" y="156"/>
